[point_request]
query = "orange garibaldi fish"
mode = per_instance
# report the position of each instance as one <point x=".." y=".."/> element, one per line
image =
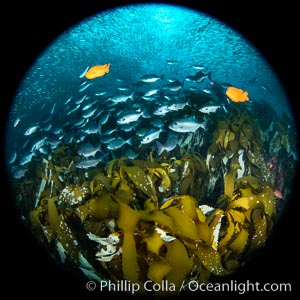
<point x="97" y="71"/>
<point x="236" y="95"/>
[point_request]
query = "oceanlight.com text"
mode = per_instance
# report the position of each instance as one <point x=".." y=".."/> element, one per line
<point x="239" y="287"/>
<point x="192" y="286"/>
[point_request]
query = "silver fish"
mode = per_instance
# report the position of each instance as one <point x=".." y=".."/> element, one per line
<point x="88" y="113"/>
<point x="86" y="107"/>
<point x="198" y="67"/>
<point x="187" y="125"/>
<point x="151" y="78"/>
<point x="74" y="109"/>
<point x="19" y="173"/>
<point x="53" y="109"/>
<point x="53" y="141"/>
<point x="84" y="87"/>
<point x="88" y="163"/>
<point x="47" y="127"/>
<point x="82" y="125"/>
<point x="124" y="89"/>
<point x="173" y="86"/>
<point x="207" y="91"/>
<point x="107" y="139"/>
<point x="169" y="145"/>
<point x="151" y="135"/>
<point x="79" y="122"/>
<point x="31" y="130"/>
<point x="151" y="93"/>
<point x="141" y="131"/>
<point x="209" y="109"/>
<point x="169" y="97"/>
<point x="57" y="130"/>
<point x="157" y="123"/>
<point x="79" y="101"/>
<point x="118" y="142"/>
<point x="16" y="122"/>
<point x="131" y="154"/>
<point x="101" y="93"/>
<point x="91" y="128"/>
<point x="109" y="131"/>
<point x="149" y="98"/>
<point x="266" y="88"/>
<point x="88" y="150"/>
<point x="122" y="79"/>
<point x="26" y="158"/>
<point x="173" y="62"/>
<point x="12" y="157"/>
<point x="194" y="89"/>
<point x="121" y="98"/>
<point x="104" y="119"/>
<point x="128" y="117"/>
<point x="162" y="110"/>
<point x="43" y="106"/>
<point x="97" y="114"/>
<point x="44" y="149"/>
<point x="130" y="126"/>
<point x="178" y="106"/>
<point x="68" y="101"/>
<point x="83" y="73"/>
<point x="199" y="77"/>
<point x="38" y="144"/>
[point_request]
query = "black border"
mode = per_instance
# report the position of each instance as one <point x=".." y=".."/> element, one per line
<point x="29" y="27"/>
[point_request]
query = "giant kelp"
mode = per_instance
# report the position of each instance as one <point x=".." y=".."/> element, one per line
<point x="174" y="238"/>
<point x="194" y="213"/>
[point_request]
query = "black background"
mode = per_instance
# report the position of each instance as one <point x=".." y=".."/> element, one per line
<point x="28" y="28"/>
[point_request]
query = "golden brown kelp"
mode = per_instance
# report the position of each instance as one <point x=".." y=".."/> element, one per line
<point x="142" y="236"/>
<point x="194" y="213"/>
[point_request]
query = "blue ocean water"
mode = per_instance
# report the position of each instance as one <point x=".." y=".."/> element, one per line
<point x="138" y="40"/>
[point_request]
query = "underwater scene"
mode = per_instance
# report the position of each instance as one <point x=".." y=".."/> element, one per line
<point x="165" y="152"/>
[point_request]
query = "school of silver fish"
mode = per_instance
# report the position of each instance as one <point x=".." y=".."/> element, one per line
<point x="153" y="111"/>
